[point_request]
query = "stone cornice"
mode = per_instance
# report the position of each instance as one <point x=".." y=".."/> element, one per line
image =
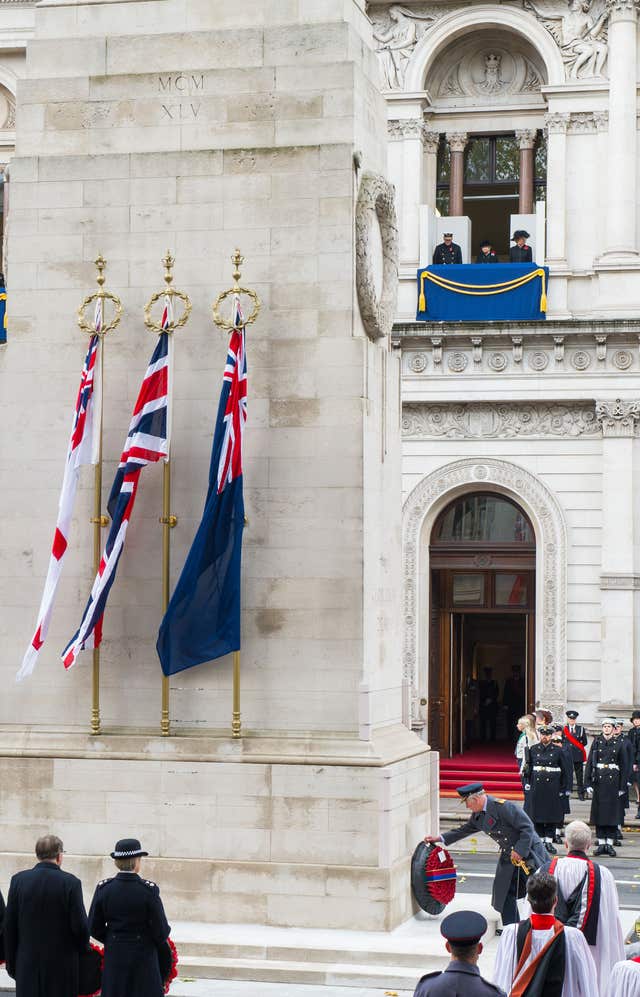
<point x="421" y="332"/>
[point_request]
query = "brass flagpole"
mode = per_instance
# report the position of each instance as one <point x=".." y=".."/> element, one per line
<point x="168" y="324"/>
<point x="100" y="328"/>
<point x="237" y="259"/>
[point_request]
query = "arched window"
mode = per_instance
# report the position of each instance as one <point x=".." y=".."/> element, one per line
<point x="483" y="518"/>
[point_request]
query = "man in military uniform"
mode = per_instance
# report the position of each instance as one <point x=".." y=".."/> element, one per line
<point x="604" y="778"/>
<point x="127" y="915"/>
<point x="567" y="761"/>
<point x="575" y="738"/>
<point x="486" y="254"/>
<point x="627" y="754"/>
<point x="447" y="251"/>
<point x="520" y="253"/>
<point x="507" y="825"/>
<point x="634" y="737"/>
<point x="545" y="775"/>
<point x="463" y="931"/>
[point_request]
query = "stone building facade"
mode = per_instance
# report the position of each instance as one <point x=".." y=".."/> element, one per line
<point x="543" y="414"/>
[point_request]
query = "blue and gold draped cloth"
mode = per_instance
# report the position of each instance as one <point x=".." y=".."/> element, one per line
<point x="474" y="292"/>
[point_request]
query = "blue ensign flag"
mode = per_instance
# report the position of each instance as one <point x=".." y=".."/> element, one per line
<point x="202" y="621"/>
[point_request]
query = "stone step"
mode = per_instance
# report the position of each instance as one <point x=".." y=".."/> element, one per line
<point x="286" y="954"/>
<point x="391" y="977"/>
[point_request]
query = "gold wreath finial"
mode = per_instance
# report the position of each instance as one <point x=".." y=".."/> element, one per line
<point x="100" y="295"/>
<point x="237" y="259"/>
<point x="168" y="291"/>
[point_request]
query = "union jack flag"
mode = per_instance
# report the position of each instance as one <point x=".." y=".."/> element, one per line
<point x="82" y="449"/>
<point x="147" y="442"/>
<point x="235" y="414"/>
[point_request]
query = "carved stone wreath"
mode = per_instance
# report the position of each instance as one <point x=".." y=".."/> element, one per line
<point x="457" y="362"/>
<point x="581" y="360"/>
<point x="622" y="359"/>
<point x="538" y="360"/>
<point x="418" y="363"/>
<point x="376" y="206"/>
<point x="421" y="509"/>
<point x="497" y="361"/>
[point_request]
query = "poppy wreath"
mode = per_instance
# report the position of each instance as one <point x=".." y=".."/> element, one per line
<point x="91" y="965"/>
<point x="168" y="958"/>
<point x="433" y="877"/>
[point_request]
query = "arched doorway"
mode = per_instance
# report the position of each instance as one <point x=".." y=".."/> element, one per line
<point x="482" y="557"/>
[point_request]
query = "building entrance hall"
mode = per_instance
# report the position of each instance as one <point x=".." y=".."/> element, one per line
<point x="481" y="646"/>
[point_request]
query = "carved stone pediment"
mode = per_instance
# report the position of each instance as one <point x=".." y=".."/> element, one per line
<point x="499" y="420"/>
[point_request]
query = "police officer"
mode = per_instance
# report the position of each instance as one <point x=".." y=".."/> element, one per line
<point x="545" y="773"/>
<point x="463" y="931"/>
<point x="509" y="826"/>
<point x="127" y="915"/>
<point x="486" y="254"/>
<point x="520" y="253"/>
<point x="604" y="778"/>
<point x="448" y="251"/>
<point x="574" y="737"/>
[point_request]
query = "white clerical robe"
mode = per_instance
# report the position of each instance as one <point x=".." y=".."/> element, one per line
<point x="624" y="980"/>
<point x="609" y="947"/>
<point x="580" y="978"/>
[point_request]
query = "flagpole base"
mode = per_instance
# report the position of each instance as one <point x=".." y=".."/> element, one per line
<point x="236" y="726"/>
<point x="165" y="723"/>
<point x="95" y="692"/>
<point x="95" y="723"/>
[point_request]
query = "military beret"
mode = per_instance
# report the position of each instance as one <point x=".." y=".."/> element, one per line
<point x="463" y="927"/>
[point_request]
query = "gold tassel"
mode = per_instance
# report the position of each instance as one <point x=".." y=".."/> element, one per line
<point x="422" y="302"/>
<point x="543" y="302"/>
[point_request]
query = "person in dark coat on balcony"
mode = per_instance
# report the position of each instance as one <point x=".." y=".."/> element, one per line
<point x="486" y="254"/>
<point x="447" y="251"/>
<point x="127" y="915"/>
<point x="45" y="926"/>
<point x="520" y="253"/>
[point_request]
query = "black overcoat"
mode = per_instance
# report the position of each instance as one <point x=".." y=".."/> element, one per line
<point x="127" y="915"/>
<point x="509" y="826"/>
<point x="605" y="774"/>
<point x="545" y="770"/>
<point x="1" y="927"/>
<point x="45" y="929"/>
<point x="520" y="254"/>
<point x="447" y="254"/>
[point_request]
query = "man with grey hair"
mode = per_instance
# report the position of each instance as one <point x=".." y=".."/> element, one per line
<point x="588" y="900"/>
<point x="45" y="927"/>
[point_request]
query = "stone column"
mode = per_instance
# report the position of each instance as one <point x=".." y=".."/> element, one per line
<point x="621" y="153"/>
<point x="457" y="144"/>
<point x="526" y="138"/>
<point x="619" y="421"/>
<point x="431" y="145"/>
<point x="406" y="162"/>
<point x="557" y="124"/>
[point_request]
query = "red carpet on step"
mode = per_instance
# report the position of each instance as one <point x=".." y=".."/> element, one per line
<point x="493" y="765"/>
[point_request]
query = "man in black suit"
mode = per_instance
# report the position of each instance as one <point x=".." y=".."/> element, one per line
<point x="45" y="927"/>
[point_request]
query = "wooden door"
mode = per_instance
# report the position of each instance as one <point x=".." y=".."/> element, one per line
<point x="437" y="686"/>
<point x="456" y="622"/>
<point x="531" y="661"/>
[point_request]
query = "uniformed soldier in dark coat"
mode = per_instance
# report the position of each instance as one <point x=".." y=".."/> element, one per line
<point x="509" y="826"/>
<point x="45" y="926"/>
<point x="486" y="254"/>
<point x="448" y="251"/>
<point x="627" y="754"/>
<point x="604" y="778"/>
<point x="463" y="931"/>
<point x="567" y="761"/>
<point x="573" y="733"/>
<point x="545" y="773"/>
<point x="634" y="737"/>
<point x="520" y="253"/>
<point x="127" y="915"/>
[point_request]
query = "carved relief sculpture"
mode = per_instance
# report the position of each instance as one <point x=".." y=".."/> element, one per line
<point x="484" y="73"/>
<point x="581" y="33"/>
<point x="397" y="32"/>
<point x="376" y="206"/>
